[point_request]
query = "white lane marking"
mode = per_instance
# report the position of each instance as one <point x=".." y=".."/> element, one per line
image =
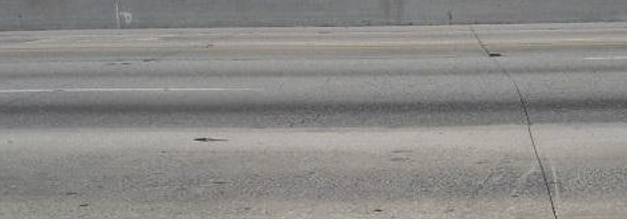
<point x="606" y="58"/>
<point x="96" y="90"/>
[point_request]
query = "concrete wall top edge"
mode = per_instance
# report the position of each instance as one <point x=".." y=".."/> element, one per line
<point x="98" y="14"/>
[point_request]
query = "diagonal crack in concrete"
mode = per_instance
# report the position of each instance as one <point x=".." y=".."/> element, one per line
<point x="524" y="105"/>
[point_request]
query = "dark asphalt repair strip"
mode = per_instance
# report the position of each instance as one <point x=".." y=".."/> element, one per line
<point x="524" y="105"/>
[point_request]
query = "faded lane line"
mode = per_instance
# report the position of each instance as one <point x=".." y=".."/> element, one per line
<point x="606" y="58"/>
<point x="97" y="90"/>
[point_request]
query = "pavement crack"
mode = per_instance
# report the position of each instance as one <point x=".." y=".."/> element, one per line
<point x="524" y="105"/>
<point x="483" y="46"/>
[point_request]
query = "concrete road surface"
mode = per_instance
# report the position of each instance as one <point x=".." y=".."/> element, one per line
<point x="507" y="121"/>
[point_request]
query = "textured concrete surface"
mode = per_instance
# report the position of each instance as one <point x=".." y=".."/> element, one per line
<point x="587" y="168"/>
<point x="329" y="77"/>
<point x="470" y="172"/>
<point x="96" y="14"/>
<point x="377" y="122"/>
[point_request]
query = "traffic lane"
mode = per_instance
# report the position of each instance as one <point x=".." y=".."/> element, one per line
<point x="574" y="96"/>
<point x="487" y="172"/>
<point x="265" y="35"/>
<point x="350" y="99"/>
<point x="337" y="97"/>
<point x="311" y="115"/>
<point x="586" y="166"/>
<point x="262" y="116"/>
<point x="564" y="62"/>
<point x="294" y="43"/>
<point x="244" y="43"/>
<point x="243" y="108"/>
<point x="555" y="91"/>
<point x="563" y="47"/>
<point x="195" y="66"/>
<point x="243" y="52"/>
<point x="596" y="38"/>
<point x="386" y="88"/>
<point x="298" y="95"/>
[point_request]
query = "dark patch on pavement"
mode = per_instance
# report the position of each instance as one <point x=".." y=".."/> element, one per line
<point x="399" y="159"/>
<point x="210" y="139"/>
<point x="402" y="151"/>
<point x="118" y="63"/>
<point x="482" y="162"/>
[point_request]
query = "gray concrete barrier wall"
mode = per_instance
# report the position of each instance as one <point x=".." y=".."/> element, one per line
<point x="82" y="14"/>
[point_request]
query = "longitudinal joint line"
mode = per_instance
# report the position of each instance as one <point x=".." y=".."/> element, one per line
<point x="523" y="104"/>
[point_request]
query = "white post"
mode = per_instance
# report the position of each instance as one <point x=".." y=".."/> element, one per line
<point x="117" y="13"/>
